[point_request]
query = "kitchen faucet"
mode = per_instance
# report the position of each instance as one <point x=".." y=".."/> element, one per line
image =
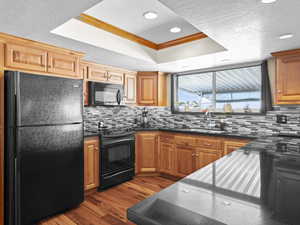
<point x="208" y="116"/>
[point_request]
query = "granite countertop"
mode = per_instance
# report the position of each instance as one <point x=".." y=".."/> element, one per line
<point x="192" y="131"/>
<point x="258" y="184"/>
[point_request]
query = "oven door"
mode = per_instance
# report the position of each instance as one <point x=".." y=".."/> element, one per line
<point x="116" y="157"/>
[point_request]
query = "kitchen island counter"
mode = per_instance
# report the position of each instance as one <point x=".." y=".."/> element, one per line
<point x="258" y="184"/>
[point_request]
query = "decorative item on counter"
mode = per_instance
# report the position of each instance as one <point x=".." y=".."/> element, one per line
<point x="247" y="109"/>
<point x="221" y="124"/>
<point x="144" y="119"/>
<point x="227" y="108"/>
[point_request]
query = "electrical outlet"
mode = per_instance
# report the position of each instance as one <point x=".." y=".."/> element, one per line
<point x="281" y="119"/>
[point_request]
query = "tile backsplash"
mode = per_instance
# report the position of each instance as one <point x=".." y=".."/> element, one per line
<point x="162" y="117"/>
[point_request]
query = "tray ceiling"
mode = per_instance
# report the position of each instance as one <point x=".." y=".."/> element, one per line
<point x="128" y="15"/>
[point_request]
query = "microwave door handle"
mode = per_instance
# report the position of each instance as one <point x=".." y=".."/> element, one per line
<point x="118" y="97"/>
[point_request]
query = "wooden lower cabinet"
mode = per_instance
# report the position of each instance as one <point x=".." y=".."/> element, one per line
<point x="91" y="163"/>
<point x="206" y="156"/>
<point x="185" y="161"/>
<point x="167" y="158"/>
<point x="146" y="152"/>
<point x="233" y="144"/>
<point x="180" y="154"/>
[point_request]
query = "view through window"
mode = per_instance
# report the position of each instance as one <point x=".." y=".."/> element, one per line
<point x="228" y="91"/>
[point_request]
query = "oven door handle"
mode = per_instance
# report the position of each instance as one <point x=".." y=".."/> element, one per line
<point x="115" y="174"/>
<point x="118" y="97"/>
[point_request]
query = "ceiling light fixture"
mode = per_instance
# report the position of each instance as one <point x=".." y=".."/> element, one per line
<point x="175" y="29"/>
<point x="150" y="15"/>
<point x="268" y="1"/>
<point x="285" y="36"/>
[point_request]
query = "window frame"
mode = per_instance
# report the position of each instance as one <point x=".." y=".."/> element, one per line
<point x="264" y="86"/>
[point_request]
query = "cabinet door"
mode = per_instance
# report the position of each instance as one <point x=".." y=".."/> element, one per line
<point x="167" y="158"/>
<point x="130" y="88"/>
<point x="230" y="146"/>
<point x="146" y="152"/>
<point x="97" y="73"/>
<point x="84" y="74"/>
<point x="64" y="64"/>
<point x="185" y="161"/>
<point x="91" y="163"/>
<point x="205" y="157"/>
<point x="115" y="77"/>
<point x="287" y="190"/>
<point x="288" y="79"/>
<point x="26" y="58"/>
<point x="147" y="89"/>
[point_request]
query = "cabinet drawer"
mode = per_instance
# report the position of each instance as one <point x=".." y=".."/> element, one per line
<point x="209" y="143"/>
<point x="167" y="139"/>
<point x="185" y="141"/>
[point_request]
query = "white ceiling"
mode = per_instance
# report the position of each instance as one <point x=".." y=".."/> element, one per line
<point x="128" y="15"/>
<point x="248" y="29"/>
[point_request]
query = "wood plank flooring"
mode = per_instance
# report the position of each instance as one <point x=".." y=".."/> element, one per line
<point x="109" y="207"/>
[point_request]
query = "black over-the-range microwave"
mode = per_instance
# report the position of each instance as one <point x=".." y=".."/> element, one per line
<point x="104" y="94"/>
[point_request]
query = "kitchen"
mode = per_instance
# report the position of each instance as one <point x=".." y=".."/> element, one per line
<point x="149" y="112"/>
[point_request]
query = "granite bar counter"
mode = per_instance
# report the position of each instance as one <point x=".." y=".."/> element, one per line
<point x="258" y="184"/>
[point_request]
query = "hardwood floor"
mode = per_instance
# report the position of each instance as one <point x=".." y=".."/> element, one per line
<point x="109" y="207"/>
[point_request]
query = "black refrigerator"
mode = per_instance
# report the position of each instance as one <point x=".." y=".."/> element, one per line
<point x="43" y="146"/>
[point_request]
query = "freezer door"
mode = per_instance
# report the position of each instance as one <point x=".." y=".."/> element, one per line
<point x="45" y="100"/>
<point x="49" y="176"/>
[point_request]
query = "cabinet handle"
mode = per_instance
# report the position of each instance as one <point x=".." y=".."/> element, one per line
<point x="279" y="91"/>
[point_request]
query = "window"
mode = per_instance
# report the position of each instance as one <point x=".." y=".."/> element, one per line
<point x="237" y="90"/>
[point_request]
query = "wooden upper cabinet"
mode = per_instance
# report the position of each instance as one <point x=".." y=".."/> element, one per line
<point x="147" y="88"/>
<point x="146" y="152"/>
<point x="68" y="65"/>
<point x="115" y="77"/>
<point x="97" y="73"/>
<point x="130" y="88"/>
<point x="91" y="163"/>
<point x="233" y="144"/>
<point x="25" y="57"/>
<point x="151" y="89"/>
<point x="287" y="77"/>
<point x="185" y="161"/>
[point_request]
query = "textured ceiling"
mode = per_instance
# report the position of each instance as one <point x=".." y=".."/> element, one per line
<point x="128" y="15"/>
<point x="247" y="28"/>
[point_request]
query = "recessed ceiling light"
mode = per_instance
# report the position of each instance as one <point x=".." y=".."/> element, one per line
<point x="268" y="1"/>
<point x="150" y="15"/>
<point x="175" y="29"/>
<point x="285" y="36"/>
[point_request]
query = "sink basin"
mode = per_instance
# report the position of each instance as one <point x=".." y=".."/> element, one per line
<point x="165" y="213"/>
